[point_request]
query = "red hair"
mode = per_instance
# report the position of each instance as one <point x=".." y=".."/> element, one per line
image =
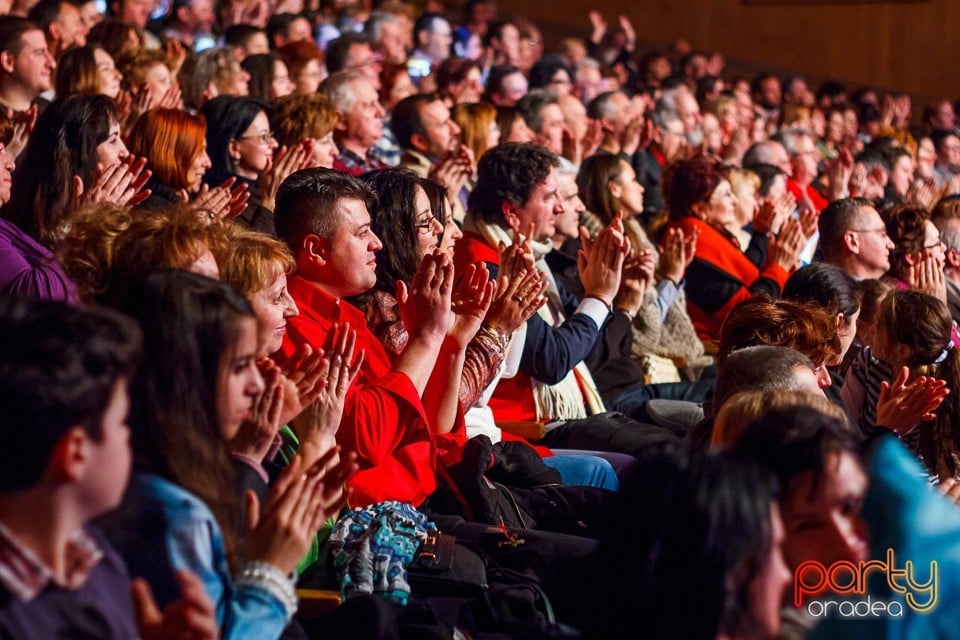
<point x="171" y="140"/>
<point x="689" y="182"/>
<point x="296" y="55"/>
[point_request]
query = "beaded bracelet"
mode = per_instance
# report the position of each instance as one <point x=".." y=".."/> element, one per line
<point x="265" y="576"/>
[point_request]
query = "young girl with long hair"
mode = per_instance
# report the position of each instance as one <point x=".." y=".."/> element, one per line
<point x="187" y="404"/>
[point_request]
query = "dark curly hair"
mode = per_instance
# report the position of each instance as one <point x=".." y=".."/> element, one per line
<point x="690" y="182"/>
<point x="906" y="228"/>
<point x="508" y="173"/>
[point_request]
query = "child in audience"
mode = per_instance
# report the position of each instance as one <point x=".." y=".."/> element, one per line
<point x="201" y="384"/>
<point x="66" y="459"/>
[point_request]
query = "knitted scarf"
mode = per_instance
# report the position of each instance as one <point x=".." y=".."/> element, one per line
<point x="566" y="399"/>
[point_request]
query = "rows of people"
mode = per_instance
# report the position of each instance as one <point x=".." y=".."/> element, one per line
<point x="296" y="267"/>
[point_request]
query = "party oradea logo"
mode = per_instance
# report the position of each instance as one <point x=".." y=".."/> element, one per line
<point x="840" y="589"/>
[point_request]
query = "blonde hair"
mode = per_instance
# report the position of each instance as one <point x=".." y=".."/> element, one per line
<point x="474" y="120"/>
<point x="744" y="408"/>
<point x="255" y="260"/>
<point x="108" y="245"/>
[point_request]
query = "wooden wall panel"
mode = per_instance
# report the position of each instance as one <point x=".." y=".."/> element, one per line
<point x="912" y="47"/>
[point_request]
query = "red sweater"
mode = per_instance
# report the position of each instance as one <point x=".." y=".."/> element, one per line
<point x="383" y="416"/>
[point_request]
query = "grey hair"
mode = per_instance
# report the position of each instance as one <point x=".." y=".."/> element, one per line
<point x="338" y="88"/>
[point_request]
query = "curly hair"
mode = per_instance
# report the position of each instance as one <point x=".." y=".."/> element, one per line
<point x="297" y="117"/>
<point x="806" y="328"/>
<point x="906" y="228"/>
<point x="108" y="248"/>
<point x="690" y="182"/>
<point x="255" y="260"/>
<point x="508" y="173"/>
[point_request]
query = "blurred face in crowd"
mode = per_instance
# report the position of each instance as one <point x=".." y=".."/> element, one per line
<point x="512" y="88"/>
<point x="89" y="14"/>
<point x="7" y="166"/>
<point x="805" y="160"/>
<point x="770" y="94"/>
<point x="109" y="76"/>
<point x="720" y="209"/>
<point x="510" y="44"/>
<point x="551" y="130"/>
<point x="272" y="305"/>
<point x="112" y="150"/>
<point x="323" y="151"/>
<point x="626" y="191"/>
<point x="949" y="152"/>
<point x="69" y="29"/>
<point x="574" y="116"/>
<point x="926" y="158"/>
<point x="309" y="78"/>
<point x="136" y="12"/>
<point x="360" y="57"/>
<point x="363" y="124"/>
<point x="299" y="30"/>
<point x="158" y="79"/>
<point x="822" y="513"/>
<point x="198" y="16"/>
<point x="392" y="43"/>
<point x="470" y="89"/>
<point x="851" y="123"/>
<point x="197" y="170"/>
<point x="835" y="127"/>
<point x="33" y="66"/>
<point x="437" y="39"/>
<point x="253" y="149"/>
<point x="256" y="44"/>
<point x="766" y="589"/>
<point x="560" y="84"/>
<point x="901" y="175"/>
<point x="673" y="140"/>
<point x="441" y="132"/>
<point x="747" y="204"/>
<point x="944" y="116"/>
<point x="519" y="132"/>
<point x="281" y="85"/>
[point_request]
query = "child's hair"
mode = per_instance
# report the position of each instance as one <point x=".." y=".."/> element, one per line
<point x="189" y="325"/>
<point x="922" y="323"/>
<point x="745" y="407"/>
<point x="59" y="366"/>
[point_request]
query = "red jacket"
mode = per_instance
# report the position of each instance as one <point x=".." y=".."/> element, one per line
<point x="720" y="276"/>
<point x="383" y="416"/>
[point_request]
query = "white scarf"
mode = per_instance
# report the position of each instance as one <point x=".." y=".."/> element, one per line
<point x="565" y="400"/>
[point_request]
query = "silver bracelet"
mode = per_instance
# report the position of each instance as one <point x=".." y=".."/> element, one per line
<point x="263" y="575"/>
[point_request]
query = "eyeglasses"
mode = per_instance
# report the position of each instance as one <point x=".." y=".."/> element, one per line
<point x="265" y="138"/>
<point x="939" y="243"/>
<point x="881" y="230"/>
<point x="425" y="227"/>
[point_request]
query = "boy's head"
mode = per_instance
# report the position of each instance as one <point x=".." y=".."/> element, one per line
<point x="822" y="482"/>
<point x="63" y="398"/>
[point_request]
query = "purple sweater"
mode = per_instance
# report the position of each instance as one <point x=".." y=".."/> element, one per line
<point x="29" y="268"/>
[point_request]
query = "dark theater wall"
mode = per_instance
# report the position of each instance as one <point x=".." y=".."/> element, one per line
<point x="906" y="46"/>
